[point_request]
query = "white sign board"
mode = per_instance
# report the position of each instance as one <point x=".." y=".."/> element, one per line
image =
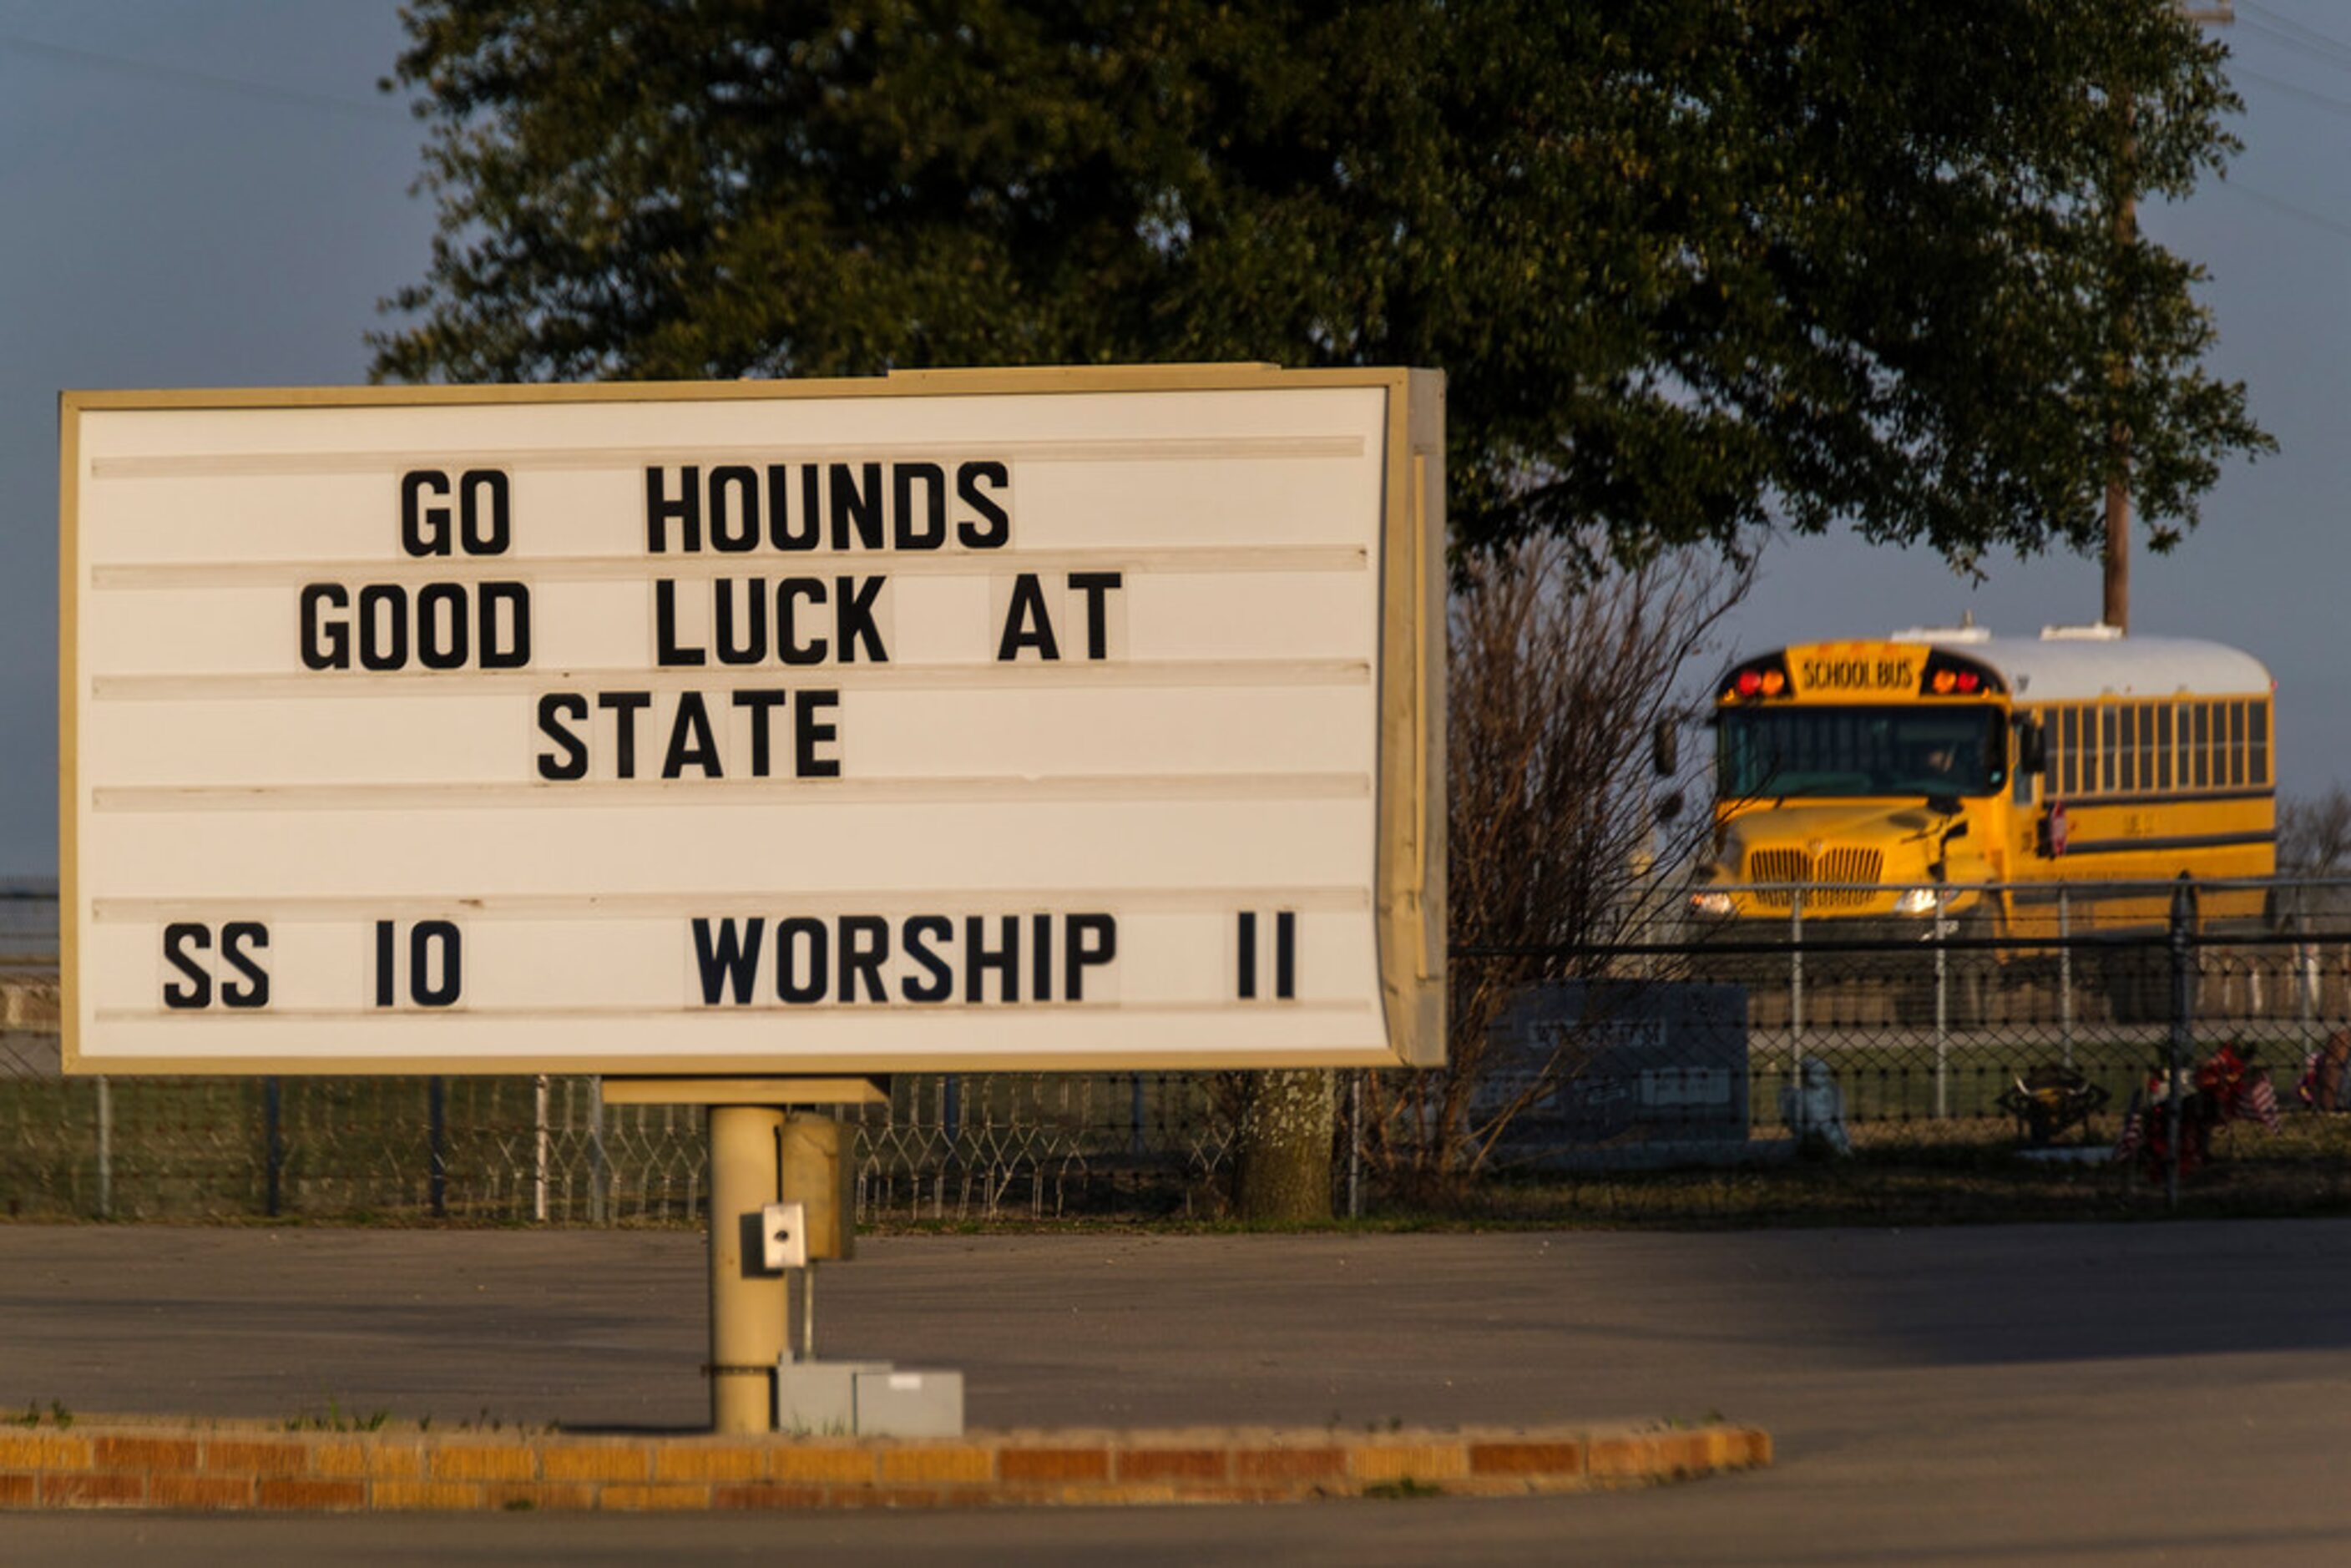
<point x="1023" y="719"/>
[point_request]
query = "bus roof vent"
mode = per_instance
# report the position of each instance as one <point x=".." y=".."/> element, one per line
<point x="1969" y="632"/>
<point x="2097" y="631"/>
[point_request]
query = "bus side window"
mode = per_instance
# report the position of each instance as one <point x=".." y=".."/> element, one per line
<point x="2069" y="751"/>
<point x="2201" y="746"/>
<point x="2261" y="768"/>
<point x="2236" y="743"/>
<point x="2108" y="728"/>
<point x="2163" y="747"/>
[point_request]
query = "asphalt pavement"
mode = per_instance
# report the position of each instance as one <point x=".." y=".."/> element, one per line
<point x="2079" y="1393"/>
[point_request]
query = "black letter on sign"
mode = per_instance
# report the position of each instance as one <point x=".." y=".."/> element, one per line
<point x="178" y="937"/>
<point x="928" y="529"/>
<point x="731" y="961"/>
<point x="864" y="947"/>
<point x="977" y="957"/>
<point x="808" y="735"/>
<point x="383" y="639"/>
<point x="325" y="644"/>
<point x="1285" y="955"/>
<point x="237" y="937"/>
<point x="553" y="710"/>
<point x="789" y="648"/>
<point x="853" y="617"/>
<point x="441" y="626"/>
<point x="1095" y="585"/>
<point x="480" y="538"/>
<point x="384" y="964"/>
<point x="857" y="510"/>
<point x="996" y="527"/>
<point x="921" y="931"/>
<point x="685" y="511"/>
<point x="691" y="742"/>
<point x="1092" y="941"/>
<point x="735" y="528"/>
<point x="424" y="530"/>
<point x="666" y="652"/>
<point x="796" y="932"/>
<point x="513" y="651"/>
<point x="763" y="706"/>
<point x="428" y="935"/>
<point x="751" y="648"/>
<point x="1026" y="625"/>
<point x="625" y="706"/>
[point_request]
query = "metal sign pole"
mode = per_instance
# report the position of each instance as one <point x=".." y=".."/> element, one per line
<point x="746" y="1303"/>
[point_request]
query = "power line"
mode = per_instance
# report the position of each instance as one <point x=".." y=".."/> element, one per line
<point x="2255" y="193"/>
<point x="2312" y="51"/>
<point x="2276" y="24"/>
<point x="180" y="75"/>
<point x="2325" y="100"/>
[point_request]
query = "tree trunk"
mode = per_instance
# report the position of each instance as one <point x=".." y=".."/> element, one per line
<point x="1282" y="1160"/>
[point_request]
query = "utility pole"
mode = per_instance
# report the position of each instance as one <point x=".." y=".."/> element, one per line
<point x="2116" y="613"/>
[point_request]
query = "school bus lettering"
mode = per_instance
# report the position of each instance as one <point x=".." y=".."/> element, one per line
<point x="1859" y="675"/>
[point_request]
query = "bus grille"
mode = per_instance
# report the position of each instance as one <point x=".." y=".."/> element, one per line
<point x="1839" y="864"/>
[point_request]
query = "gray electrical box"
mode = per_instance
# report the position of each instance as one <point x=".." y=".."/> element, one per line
<point x="909" y="1403"/>
<point x="819" y="1398"/>
<point x="866" y="1399"/>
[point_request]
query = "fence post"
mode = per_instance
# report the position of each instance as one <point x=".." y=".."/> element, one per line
<point x="1355" y="1144"/>
<point x="436" y="1118"/>
<point x="105" y="1150"/>
<point x="1796" y="982"/>
<point x="273" y="1134"/>
<point x="2306" y="971"/>
<point x="2183" y="921"/>
<point x="1942" y="1005"/>
<point x="2065" y="973"/>
<point x="596" y="1159"/>
<point x="540" y="1149"/>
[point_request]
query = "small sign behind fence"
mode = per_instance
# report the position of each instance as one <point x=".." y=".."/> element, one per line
<point x="1618" y="1063"/>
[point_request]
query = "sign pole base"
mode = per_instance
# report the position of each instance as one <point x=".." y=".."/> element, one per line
<point x="747" y="1303"/>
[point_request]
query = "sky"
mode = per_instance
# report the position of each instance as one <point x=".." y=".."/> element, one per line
<point x="216" y="194"/>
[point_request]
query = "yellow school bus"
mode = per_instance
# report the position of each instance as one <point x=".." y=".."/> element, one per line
<point x="1905" y="774"/>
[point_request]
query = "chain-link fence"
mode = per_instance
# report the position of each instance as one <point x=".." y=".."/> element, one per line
<point x="2182" y="1027"/>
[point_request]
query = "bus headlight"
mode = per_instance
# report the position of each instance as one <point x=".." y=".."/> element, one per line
<point x="1710" y="904"/>
<point x="1916" y="901"/>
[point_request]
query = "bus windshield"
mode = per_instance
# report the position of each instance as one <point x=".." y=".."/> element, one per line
<point x="1853" y="751"/>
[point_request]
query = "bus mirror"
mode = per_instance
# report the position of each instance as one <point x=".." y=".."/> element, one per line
<point x="1664" y="748"/>
<point x="2032" y="746"/>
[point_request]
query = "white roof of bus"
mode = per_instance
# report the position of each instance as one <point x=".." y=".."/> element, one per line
<point x="2070" y="665"/>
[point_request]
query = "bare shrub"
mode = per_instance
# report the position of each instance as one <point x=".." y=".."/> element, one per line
<point x="1557" y="682"/>
<point x="2314" y="834"/>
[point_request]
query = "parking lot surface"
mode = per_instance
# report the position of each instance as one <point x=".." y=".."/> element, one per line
<point x="2083" y="1393"/>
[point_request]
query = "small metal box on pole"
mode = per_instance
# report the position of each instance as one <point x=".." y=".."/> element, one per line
<point x="818" y="1178"/>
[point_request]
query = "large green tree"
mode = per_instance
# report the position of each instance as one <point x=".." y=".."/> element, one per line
<point x="1697" y="267"/>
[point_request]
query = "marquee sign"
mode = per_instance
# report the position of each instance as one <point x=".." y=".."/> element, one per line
<point x="1065" y="719"/>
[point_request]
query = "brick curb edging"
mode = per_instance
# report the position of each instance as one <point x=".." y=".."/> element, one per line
<point x="250" y="1467"/>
